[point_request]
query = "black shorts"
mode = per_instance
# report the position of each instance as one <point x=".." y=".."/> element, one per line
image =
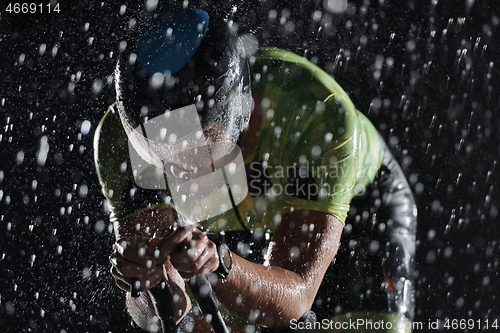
<point x="374" y="267"/>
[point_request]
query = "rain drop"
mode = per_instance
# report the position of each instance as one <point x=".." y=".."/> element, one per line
<point x="42" y="49"/>
<point x="97" y="86"/>
<point x="20" y="157"/>
<point x="43" y="151"/>
<point x="151" y="4"/>
<point x="294" y="253"/>
<point x="335" y="6"/>
<point x="85" y="127"/>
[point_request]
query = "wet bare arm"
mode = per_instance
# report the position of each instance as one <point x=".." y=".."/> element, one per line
<point x="302" y="248"/>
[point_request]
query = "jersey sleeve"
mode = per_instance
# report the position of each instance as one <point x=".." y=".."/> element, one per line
<point x="318" y="131"/>
<point x="327" y="153"/>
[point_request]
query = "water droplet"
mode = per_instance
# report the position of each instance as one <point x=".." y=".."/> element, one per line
<point x="43" y="151"/>
<point x="151" y="4"/>
<point x="20" y="157"/>
<point x="97" y="86"/>
<point x="85" y="127"/>
<point x="42" y="49"/>
<point x="335" y="6"/>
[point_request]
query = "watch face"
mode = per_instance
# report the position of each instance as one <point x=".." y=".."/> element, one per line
<point x="225" y="256"/>
<point x="225" y="261"/>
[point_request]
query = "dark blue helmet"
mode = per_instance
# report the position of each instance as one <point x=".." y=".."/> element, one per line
<point x="186" y="57"/>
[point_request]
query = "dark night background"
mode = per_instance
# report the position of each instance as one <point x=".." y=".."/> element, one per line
<point x="425" y="72"/>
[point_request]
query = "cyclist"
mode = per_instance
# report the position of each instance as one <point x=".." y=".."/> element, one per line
<point x="324" y="219"/>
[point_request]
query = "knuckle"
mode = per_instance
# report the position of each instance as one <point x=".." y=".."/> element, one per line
<point x="211" y="245"/>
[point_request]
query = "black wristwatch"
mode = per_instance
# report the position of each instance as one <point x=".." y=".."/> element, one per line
<point x="225" y="261"/>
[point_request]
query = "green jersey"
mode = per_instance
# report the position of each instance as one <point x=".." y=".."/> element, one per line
<point x="315" y="150"/>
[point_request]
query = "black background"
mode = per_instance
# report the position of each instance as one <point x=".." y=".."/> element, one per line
<point x="425" y="72"/>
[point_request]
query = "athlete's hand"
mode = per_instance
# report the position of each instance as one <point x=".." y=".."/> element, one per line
<point x="191" y="252"/>
<point x="188" y="250"/>
<point x="140" y="258"/>
<point x="145" y="259"/>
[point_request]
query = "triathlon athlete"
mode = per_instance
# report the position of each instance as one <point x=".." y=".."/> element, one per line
<point x="324" y="220"/>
